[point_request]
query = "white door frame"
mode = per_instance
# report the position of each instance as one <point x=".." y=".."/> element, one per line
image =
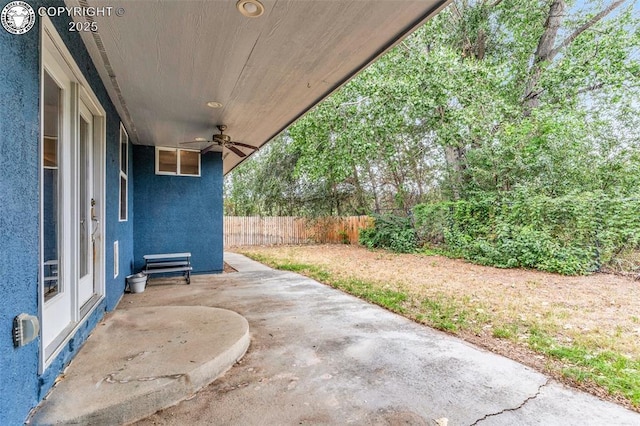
<point x="56" y="59"/>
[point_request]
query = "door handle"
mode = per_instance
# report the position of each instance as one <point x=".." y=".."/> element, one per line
<point x="94" y="219"/>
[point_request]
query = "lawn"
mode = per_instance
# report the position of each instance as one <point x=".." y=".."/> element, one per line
<point x="583" y="331"/>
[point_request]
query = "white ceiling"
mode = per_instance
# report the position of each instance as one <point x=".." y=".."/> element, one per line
<point x="163" y="60"/>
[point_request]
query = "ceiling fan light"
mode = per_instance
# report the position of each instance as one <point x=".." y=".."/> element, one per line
<point x="250" y="8"/>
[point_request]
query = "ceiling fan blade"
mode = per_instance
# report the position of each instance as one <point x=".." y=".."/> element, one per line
<point x="244" y="145"/>
<point x="236" y="151"/>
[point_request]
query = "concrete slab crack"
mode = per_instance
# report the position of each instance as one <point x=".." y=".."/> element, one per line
<point x="111" y="379"/>
<point x="515" y="408"/>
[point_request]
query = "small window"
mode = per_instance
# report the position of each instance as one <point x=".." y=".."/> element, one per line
<point x="178" y="162"/>
<point x="124" y="176"/>
<point x="167" y="162"/>
<point x="124" y="150"/>
<point x="190" y="163"/>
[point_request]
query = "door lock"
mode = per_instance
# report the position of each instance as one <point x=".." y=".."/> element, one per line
<point x="94" y="219"/>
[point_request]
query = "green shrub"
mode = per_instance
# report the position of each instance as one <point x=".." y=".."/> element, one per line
<point x="344" y="237"/>
<point x="573" y="234"/>
<point x="390" y="232"/>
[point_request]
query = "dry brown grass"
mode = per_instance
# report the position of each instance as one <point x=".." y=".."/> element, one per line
<point x="600" y="311"/>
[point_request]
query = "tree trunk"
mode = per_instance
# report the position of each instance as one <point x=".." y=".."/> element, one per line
<point x="361" y="207"/>
<point x="545" y="48"/>
<point x="455" y="157"/>
<point x="548" y="48"/>
<point x="374" y="188"/>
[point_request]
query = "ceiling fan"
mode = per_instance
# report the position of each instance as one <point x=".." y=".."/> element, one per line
<point x="223" y="141"/>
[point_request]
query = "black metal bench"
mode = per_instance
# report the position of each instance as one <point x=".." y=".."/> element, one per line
<point x="165" y="263"/>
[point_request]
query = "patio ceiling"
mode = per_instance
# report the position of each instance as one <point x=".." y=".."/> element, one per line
<point x="162" y="61"/>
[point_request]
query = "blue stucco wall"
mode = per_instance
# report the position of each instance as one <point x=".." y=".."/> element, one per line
<point x="178" y="213"/>
<point x="19" y="217"/>
<point x="21" y="388"/>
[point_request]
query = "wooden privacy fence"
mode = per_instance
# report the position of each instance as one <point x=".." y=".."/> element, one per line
<point x="256" y="231"/>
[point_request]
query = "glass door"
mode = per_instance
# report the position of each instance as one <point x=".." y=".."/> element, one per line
<point x="72" y="194"/>
<point x="55" y="249"/>
<point x="87" y="223"/>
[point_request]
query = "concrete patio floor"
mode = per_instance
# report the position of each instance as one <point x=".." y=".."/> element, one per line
<point x="142" y="359"/>
<point x="319" y="356"/>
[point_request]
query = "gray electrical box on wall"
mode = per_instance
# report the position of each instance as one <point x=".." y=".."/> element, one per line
<point x="25" y="329"/>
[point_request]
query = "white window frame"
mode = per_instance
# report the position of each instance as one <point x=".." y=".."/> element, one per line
<point x="178" y="171"/>
<point x="123" y="175"/>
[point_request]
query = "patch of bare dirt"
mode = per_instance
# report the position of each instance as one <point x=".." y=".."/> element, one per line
<point x="600" y="309"/>
<point x="228" y="268"/>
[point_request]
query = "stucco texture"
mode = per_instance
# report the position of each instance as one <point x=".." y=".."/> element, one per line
<point x="19" y="217"/>
<point x="178" y="213"/>
<point x="21" y="386"/>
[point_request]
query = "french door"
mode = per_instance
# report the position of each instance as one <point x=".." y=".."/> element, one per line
<point x="72" y="197"/>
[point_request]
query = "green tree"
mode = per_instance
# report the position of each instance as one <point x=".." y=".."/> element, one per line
<point x="489" y="97"/>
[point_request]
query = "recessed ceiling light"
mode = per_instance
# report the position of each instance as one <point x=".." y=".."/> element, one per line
<point x="250" y="8"/>
<point x="201" y="139"/>
<point x="214" y="104"/>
